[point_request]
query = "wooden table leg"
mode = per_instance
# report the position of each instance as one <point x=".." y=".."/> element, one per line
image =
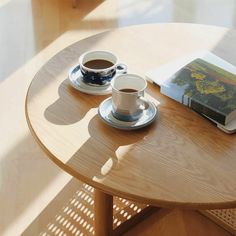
<point x="134" y="220"/>
<point x="103" y="208"/>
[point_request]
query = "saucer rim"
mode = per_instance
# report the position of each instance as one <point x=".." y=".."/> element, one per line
<point x="93" y="91"/>
<point x="127" y="127"/>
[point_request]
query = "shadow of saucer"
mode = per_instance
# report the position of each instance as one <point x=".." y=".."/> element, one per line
<point x="97" y="157"/>
<point x="114" y="143"/>
<point x="71" y="106"/>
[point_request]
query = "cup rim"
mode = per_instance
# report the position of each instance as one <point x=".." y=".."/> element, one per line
<point x="128" y="74"/>
<point x="97" y="70"/>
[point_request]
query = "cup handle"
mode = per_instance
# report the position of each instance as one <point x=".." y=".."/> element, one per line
<point x="121" y="68"/>
<point x="144" y="103"/>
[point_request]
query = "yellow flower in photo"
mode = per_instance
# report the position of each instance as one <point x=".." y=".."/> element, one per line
<point x="197" y="76"/>
<point x="209" y="87"/>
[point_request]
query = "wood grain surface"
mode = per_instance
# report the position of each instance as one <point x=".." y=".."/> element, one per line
<point x="181" y="160"/>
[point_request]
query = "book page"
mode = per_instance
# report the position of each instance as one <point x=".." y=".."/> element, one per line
<point x="160" y="74"/>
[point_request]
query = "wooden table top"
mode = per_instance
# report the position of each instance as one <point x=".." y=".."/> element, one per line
<point x="181" y="160"/>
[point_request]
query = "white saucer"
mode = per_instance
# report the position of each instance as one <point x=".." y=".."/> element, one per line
<point x="147" y="117"/>
<point x="75" y="78"/>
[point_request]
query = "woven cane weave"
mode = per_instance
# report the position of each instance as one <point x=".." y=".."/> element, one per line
<point x="226" y="218"/>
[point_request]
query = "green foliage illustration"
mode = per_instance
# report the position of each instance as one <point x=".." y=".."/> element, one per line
<point x="208" y="84"/>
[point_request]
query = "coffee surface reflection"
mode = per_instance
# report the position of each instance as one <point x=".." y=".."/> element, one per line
<point x="128" y="90"/>
<point x="98" y="64"/>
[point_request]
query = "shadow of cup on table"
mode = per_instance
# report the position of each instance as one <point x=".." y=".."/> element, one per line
<point x="71" y="106"/>
<point x="96" y="68"/>
<point x="101" y="148"/>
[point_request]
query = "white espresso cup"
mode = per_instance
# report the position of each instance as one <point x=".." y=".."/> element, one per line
<point x="128" y="102"/>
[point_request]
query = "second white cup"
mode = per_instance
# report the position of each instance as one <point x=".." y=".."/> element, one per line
<point x="128" y="102"/>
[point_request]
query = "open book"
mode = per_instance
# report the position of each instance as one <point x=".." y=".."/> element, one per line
<point x="205" y="83"/>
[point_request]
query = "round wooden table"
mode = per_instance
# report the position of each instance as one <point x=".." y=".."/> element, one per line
<point x="181" y="160"/>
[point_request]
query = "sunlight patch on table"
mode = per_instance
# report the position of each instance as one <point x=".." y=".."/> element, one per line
<point x="107" y="167"/>
<point x="122" y="151"/>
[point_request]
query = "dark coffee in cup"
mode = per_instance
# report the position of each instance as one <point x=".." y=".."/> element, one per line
<point x="128" y="90"/>
<point x="98" y="64"/>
